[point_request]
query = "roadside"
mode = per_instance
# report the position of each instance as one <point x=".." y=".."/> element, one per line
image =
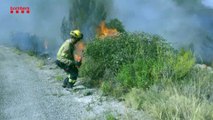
<point x="29" y="89"/>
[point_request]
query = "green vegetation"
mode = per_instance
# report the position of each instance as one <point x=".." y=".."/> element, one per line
<point x="17" y="51"/>
<point x="189" y="99"/>
<point x="40" y="63"/>
<point x="110" y="54"/>
<point x="59" y="77"/>
<point x="110" y="116"/>
<point x="150" y="75"/>
<point x="134" y="60"/>
<point x="31" y="53"/>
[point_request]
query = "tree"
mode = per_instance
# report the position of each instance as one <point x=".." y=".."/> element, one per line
<point x="85" y="15"/>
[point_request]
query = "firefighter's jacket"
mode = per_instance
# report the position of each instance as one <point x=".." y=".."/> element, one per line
<point x="66" y="53"/>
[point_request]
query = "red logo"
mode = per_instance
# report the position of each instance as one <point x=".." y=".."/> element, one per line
<point x="20" y="10"/>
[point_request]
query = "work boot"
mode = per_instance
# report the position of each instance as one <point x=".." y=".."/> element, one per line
<point x="65" y="83"/>
<point x="71" y="83"/>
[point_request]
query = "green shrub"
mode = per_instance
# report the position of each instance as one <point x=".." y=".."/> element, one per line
<point x="182" y="64"/>
<point x="134" y="60"/>
<point x="112" y="53"/>
<point x="133" y="98"/>
<point x="110" y="116"/>
<point x="150" y="75"/>
<point x="109" y="87"/>
<point x="31" y="53"/>
<point x="91" y="69"/>
<point x="141" y="74"/>
<point x="106" y="87"/>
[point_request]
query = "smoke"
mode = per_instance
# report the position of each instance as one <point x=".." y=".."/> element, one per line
<point x="86" y="16"/>
<point x="183" y="23"/>
<point x="43" y="21"/>
<point x="208" y="3"/>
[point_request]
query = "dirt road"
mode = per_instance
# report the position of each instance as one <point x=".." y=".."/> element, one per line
<point x="28" y="93"/>
<point x="24" y="96"/>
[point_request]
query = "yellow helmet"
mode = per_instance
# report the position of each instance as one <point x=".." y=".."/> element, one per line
<point x="76" y="34"/>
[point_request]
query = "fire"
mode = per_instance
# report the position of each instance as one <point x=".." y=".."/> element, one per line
<point x="79" y="49"/>
<point x="80" y="46"/>
<point x="78" y="57"/>
<point x="103" y="31"/>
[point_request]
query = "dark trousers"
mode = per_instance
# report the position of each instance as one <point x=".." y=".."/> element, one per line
<point x="71" y="70"/>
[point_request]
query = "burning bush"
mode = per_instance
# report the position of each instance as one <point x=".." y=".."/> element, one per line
<point x="113" y="28"/>
<point x="103" y="31"/>
<point x="134" y="60"/>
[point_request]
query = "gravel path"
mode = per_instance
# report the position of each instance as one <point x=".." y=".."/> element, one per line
<point x="24" y="96"/>
<point x="30" y="93"/>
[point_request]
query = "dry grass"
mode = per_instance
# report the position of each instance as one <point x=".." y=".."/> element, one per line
<point x="190" y="99"/>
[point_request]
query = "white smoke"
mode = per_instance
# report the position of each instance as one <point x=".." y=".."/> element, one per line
<point x="161" y="17"/>
<point x="186" y="26"/>
<point x="208" y="3"/>
<point x="44" y="19"/>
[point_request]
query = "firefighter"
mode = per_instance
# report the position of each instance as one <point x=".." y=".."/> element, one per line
<point x="66" y="61"/>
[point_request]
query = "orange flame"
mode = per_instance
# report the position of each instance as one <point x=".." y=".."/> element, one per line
<point x="103" y="31"/>
<point x="79" y="49"/>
